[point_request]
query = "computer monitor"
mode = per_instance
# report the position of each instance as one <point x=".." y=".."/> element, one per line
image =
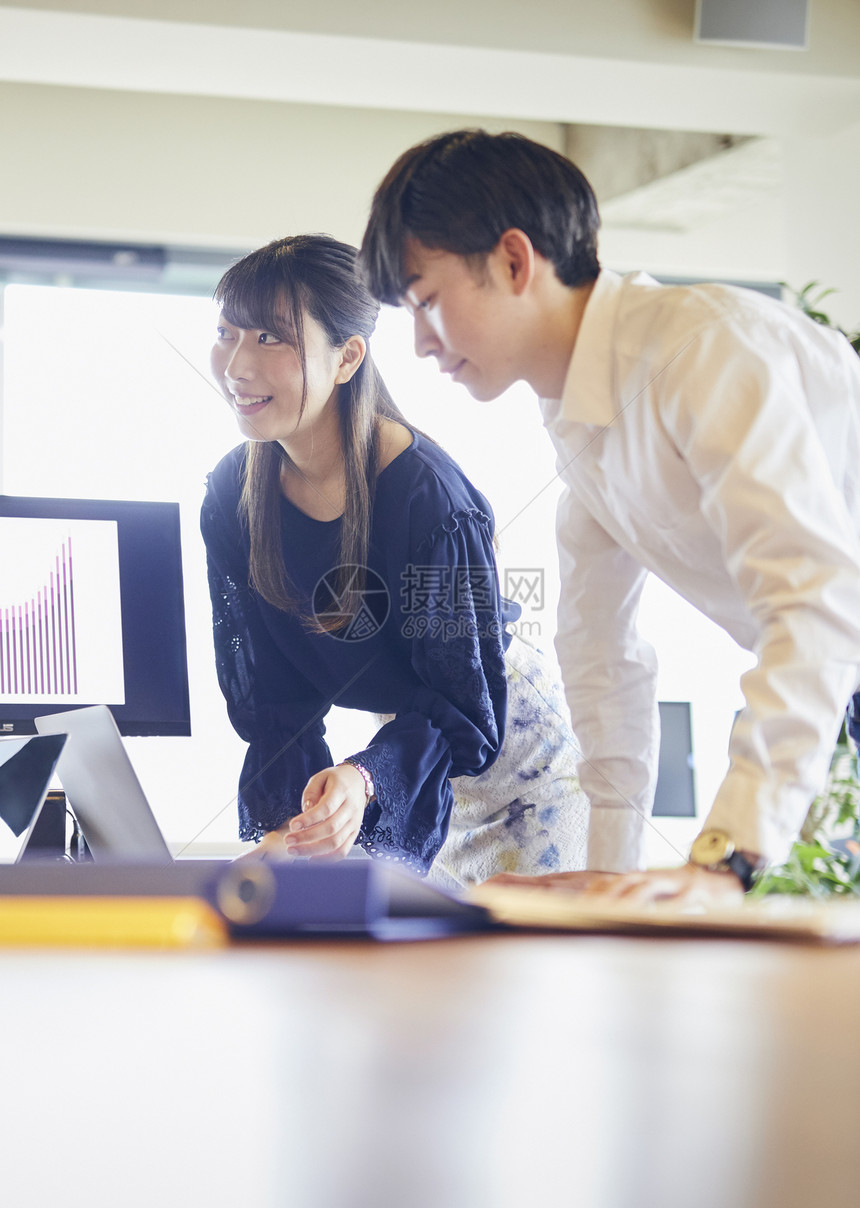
<point x="92" y="612"/>
<point x="675" y="795"/>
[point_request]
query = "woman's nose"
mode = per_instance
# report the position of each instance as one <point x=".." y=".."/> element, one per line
<point x="239" y="361"/>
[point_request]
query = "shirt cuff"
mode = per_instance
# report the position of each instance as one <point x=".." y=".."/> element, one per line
<point x="759" y="816"/>
<point x="616" y="840"/>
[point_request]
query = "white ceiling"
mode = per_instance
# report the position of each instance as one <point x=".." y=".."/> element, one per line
<point x="702" y="192"/>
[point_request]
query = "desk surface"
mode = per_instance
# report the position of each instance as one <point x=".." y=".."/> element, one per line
<point x="481" y="1072"/>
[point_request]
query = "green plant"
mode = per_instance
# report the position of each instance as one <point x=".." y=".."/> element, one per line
<point x="825" y="860"/>
<point x="810" y="304"/>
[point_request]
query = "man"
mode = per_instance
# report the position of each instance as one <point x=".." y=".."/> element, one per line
<point x="706" y="434"/>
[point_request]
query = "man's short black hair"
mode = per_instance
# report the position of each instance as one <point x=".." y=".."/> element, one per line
<point x="460" y="192"/>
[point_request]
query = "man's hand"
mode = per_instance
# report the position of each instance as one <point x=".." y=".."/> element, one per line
<point x="572" y="882"/>
<point x="684" y="886"/>
<point x="332" y="811"/>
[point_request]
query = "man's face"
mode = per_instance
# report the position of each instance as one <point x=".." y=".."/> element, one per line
<point x="464" y="316"/>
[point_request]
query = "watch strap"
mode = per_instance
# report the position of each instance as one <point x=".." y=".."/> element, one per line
<point x="369" y="786"/>
<point x="714" y="851"/>
<point x="744" y="868"/>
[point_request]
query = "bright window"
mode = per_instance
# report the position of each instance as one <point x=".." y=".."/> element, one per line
<point x="106" y="395"/>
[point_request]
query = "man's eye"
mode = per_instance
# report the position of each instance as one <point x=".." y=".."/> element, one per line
<point x="222" y="333"/>
<point x="427" y="302"/>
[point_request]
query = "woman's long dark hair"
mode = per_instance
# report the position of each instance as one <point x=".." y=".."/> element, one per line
<point x="272" y="289"/>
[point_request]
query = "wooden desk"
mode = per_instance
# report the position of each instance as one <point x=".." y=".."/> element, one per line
<point x="498" y="1072"/>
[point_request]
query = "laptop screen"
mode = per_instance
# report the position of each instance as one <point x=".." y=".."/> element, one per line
<point x="103" y="789"/>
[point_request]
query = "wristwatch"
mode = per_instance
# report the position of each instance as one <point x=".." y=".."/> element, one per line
<point x="715" y="851"/>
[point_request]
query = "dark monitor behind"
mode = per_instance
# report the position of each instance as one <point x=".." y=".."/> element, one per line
<point x="675" y="795"/>
<point x="92" y="612"/>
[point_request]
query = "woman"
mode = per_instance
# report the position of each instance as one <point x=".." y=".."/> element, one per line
<point x="351" y="563"/>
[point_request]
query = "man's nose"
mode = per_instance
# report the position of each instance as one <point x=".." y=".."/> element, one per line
<point x="427" y="343"/>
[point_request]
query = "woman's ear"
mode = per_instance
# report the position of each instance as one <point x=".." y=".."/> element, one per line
<point x="351" y="355"/>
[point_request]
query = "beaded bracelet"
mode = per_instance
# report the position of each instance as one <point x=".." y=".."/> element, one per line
<point x="369" y="787"/>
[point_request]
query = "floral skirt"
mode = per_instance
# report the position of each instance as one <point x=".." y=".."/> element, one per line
<point x="527" y="813"/>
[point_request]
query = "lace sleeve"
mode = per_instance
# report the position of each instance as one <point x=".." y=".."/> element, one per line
<point x="269" y="705"/>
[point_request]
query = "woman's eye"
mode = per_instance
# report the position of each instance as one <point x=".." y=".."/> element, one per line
<point x="266" y="337"/>
<point x="427" y="302"/>
<point x="222" y="333"/>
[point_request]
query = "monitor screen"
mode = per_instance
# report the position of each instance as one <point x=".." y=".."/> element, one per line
<point x="675" y="795"/>
<point x="92" y="612"/>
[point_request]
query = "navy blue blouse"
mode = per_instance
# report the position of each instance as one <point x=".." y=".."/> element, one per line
<point x="427" y="644"/>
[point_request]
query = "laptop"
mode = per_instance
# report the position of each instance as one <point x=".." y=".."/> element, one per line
<point x="257" y="898"/>
<point x="102" y="787"/>
<point x="26" y="768"/>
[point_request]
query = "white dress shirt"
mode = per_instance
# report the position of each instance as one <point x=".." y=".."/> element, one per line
<point x="710" y="435"/>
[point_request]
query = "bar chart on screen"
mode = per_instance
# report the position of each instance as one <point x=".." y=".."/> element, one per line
<point x="60" y="615"/>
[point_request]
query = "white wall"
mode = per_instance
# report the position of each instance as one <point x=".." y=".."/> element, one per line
<point x="822" y="204"/>
<point x="90" y="163"/>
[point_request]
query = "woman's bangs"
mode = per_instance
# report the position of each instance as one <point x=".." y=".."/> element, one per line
<point x="252" y="298"/>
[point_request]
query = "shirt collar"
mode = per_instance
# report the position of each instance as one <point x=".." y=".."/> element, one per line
<point x="587" y="396"/>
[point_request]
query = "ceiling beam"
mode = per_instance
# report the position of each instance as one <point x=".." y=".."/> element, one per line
<point x="132" y="54"/>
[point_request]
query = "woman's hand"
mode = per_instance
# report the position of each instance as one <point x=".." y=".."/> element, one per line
<point x="333" y="806"/>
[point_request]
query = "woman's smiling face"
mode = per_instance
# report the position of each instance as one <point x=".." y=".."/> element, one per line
<point x="260" y="375"/>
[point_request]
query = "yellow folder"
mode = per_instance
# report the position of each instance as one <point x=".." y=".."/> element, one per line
<point x="109" y="922"/>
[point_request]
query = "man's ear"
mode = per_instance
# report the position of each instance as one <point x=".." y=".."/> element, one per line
<point x="516" y="259"/>
<point x="351" y="356"/>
